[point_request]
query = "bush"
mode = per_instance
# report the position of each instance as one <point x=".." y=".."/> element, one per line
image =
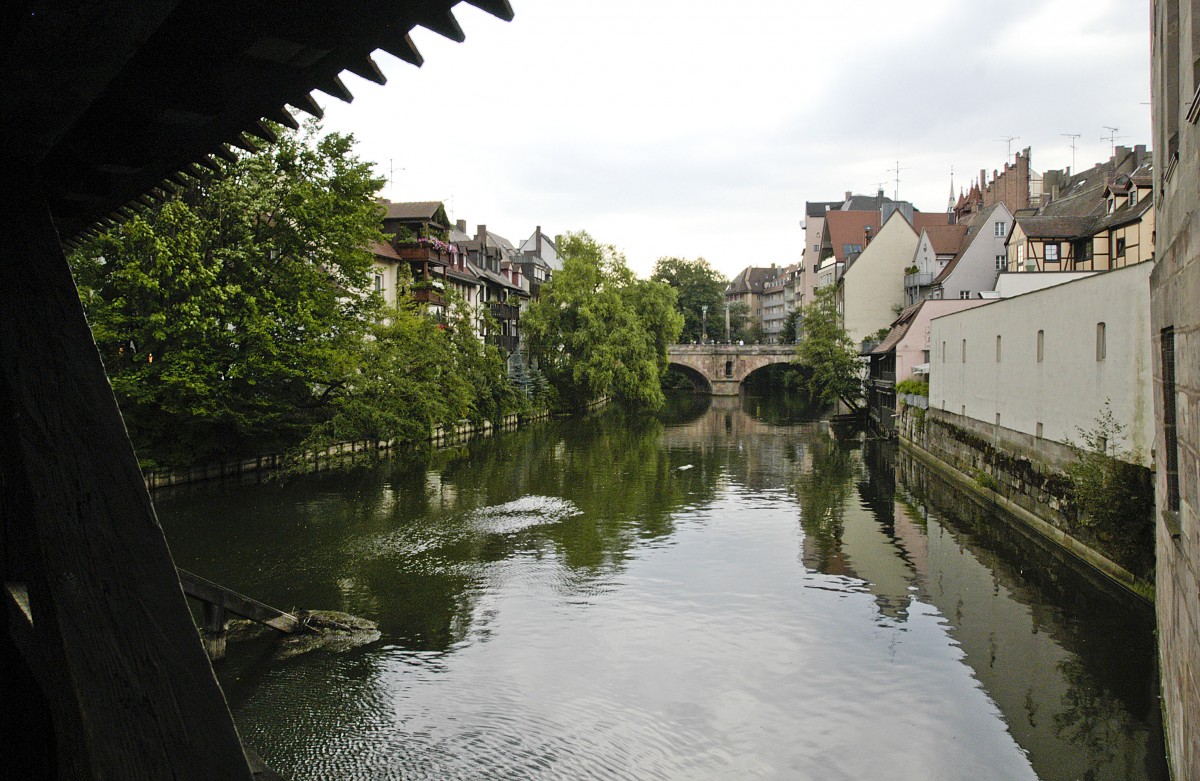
<point x="1113" y="495"/>
<point x="915" y="387"/>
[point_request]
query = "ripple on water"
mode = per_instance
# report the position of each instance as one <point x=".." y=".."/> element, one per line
<point x="523" y="513"/>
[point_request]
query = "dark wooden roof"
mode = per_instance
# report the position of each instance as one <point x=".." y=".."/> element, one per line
<point x="103" y="101"/>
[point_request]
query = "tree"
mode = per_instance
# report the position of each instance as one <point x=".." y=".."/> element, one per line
<point x="232" y="316"/>
<point x="597" y="330"/>
<point x="697" y="284"/>
<point x="836" y="371"/>
<point x="791" y="326"/>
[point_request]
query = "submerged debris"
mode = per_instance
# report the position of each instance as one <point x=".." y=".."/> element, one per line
<point x="327" y="630"/>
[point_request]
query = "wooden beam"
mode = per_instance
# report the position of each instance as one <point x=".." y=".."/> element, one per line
<point x="130" y="689"/>
<point x="402" y="47"/>
<point x="238" y="604"/>
<point x="498" y="8"/>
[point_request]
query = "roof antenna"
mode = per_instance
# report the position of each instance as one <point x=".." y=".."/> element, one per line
<point x="1111" y="138"/>
<point x="1008" y="140"/>
<point x="896" y="171"/>
<point x="1071" y="136"/>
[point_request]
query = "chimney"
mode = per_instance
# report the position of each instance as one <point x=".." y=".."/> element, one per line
<point x="461" y="225"/>
<point x="537" y="241"/>
<point x="848" y="194"/>
<point x="982" y="178"/>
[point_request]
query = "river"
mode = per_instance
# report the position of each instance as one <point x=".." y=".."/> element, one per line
<point x="721" y="591"/>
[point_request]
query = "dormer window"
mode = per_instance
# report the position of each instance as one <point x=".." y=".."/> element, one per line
<point x="1133" y="197"/>
<point x="1112" y="205"/>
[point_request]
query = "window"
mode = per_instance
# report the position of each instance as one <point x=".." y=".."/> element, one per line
<point x="997" y="348"/>
<point x="1133" y="197"/>
<point x="379" y="281"/>
<point x="1041" y="346"/>
<point x="964" y="350"/>
<point x="943" y="352"/>
<point x="849" y="248"/>
<point x="1170" y="439"/>
<point x="1001" y="262"/>
<point x="1020" y="255"/>
<point x="1121" y="247"/>
<point x="1101" y="347"/>
<point x="1001" y="228"/>
<point x="964" y="294"/>
<point x="997" y="419"/>
<point x="1039" y="430"/>
<point x="816" y="248"/>
<point x="1052" y="252"/>
<point x="729" y="368"/>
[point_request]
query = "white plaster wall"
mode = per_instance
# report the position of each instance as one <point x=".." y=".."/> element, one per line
<point x="874" y="284"/>
<point x="814" y="233"/>
<point x="1016" y="283"/>
<point x="976" y="269"/>
<point x="1068" y="388"/>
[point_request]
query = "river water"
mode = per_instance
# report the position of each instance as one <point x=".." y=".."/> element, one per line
<point x="722" y="591"/>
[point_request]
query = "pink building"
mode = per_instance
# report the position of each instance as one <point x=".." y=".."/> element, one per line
<point x="904" y="354"/>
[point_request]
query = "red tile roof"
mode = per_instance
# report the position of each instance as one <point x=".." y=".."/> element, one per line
<point x="946" y="239"/>
<point x="844" y="228"/>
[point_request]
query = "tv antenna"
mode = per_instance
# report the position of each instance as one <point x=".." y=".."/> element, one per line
<point x="1008" y="140"/>
<point x="896" y="171"/>
<point x="1072" y="136"/>
<point x="391" y="180"/>
<point x="1111" y="138"/>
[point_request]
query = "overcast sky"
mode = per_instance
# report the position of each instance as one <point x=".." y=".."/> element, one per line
<point x="699" y="129"/>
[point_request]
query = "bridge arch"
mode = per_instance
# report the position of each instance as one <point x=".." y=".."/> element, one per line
<point x="700" y="383"/>
<point x="725" y="366"/>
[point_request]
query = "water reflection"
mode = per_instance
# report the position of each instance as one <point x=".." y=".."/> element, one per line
<point x="721" y="591"/>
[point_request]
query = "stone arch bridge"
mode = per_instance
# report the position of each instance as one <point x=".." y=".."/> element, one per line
<point x="720" y="369"/>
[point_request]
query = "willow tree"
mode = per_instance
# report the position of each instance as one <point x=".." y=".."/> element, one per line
<point x="835" y="371"/>
<point x="597" y="330"/>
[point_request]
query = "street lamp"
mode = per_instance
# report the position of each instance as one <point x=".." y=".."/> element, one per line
<point x="704" y="325"/>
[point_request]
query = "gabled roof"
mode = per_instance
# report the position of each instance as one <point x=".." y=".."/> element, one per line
<point x="818" y="208"/>
<point x="382" y="249"/>
<point x="849" y="228"/>
<point x="865" y="202"/>
<point x="900" y="327"/>
<point x="1125" y="215"/>
<point x="946" y="239"/>
<point x="923" y="220"/>
<point x="751" y="279"/>
<point x="426" y="211"/>
<point x="1056" y="227"/>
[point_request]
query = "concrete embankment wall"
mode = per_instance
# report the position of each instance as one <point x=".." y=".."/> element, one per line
<point x="255" y="468"/>
<point x="1020" y="474"/>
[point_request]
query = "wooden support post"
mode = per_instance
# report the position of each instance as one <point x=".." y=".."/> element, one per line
<point x="110" y="641"/>
<point x="213" y="633"/>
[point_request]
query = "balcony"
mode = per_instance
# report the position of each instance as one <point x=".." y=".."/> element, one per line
<point x="423" y="252"/>
<point x="505" y="342"/>
<point x="429" y="297"/>
<point x="502" y="311"/>
<point x="920" y="279"/>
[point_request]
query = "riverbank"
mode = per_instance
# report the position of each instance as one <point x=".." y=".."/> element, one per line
<point x="255" y="468"/>
<point x="1027" y="484"/>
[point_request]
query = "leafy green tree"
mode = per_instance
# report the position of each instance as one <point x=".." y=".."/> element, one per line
<point x="836" y="371"/>
<point x="588" y="334"/>
<point x="791" y="326"/>
<point x="230" y="317"/>
<point x="697" y="285"/>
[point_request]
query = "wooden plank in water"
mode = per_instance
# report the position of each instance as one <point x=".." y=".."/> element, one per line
<point x="238" y="604"/>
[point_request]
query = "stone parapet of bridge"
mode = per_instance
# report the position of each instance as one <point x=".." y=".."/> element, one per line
<point x="720" y="369"/>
